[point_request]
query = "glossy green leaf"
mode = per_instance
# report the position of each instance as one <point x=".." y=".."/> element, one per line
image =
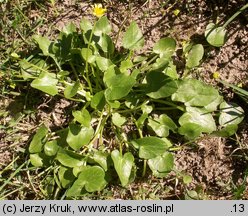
<point x="194" y="56"/>
<point x="91" y="178"/>
<point x="231" y="114"/>
<point x="111" y="72"/>
<point x="106" y="44"/>
<point x="123" y="165"/>
<point x="66" y="176"/>
<point x="79" y="136"/>
<point x="44" y="44"/>
<point x="213" y="106"/>
<point x="46" y="83"/>
<point x="227" y="131"/>
<point x="119" y="86"/>
<point x="141" y="120"/>
<point x="159" y="85"/>
<point x="165" y="47"/>
<point x="151" y="147"/>
<point x="70" y="159"/>
<point x="161" y="165"/>
<point x="102" y="26"/>
<point x="51" y="148"/>
<point x="37" y="144"/>
<point x="47" y="185"/>
<point x="195" y="93"/>
<point x="33" y="67"/>
<point x="190" y="130"/>
<point x="191" y="195"/>
<point x="103" y="63"/>
<point x="98" y="101"/>
<point x="88" y="55"/>
<point x="85" y="25"/>
<point x="101" y="158"/>
<point x="187" y="179"/>
<point x="36" y="160"/>
<point x="83" y="117"/>
<point x="133" y="37"/>
<point x="125" y="65"/>
<point x="171" y="71"/>
<point x="216" y="36"/>
<point x="71" y="90"/>
<point x="118" y="120"/>
<point x="146" y="108"/>
<point x="162" y="125"/>
<point x="40" y="159"/>
<point x="199" y="117"/>
<point x="160" y="64"/>
<point x="70" y="28"/>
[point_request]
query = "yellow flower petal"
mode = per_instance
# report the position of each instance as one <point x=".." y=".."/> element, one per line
<point x="216" y="75"/>
<point x="176" y="12"/>
<point x="98" y="10"/>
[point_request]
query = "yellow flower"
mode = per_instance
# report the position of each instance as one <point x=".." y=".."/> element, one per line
<point x="98" y="10"/>
<point x="216" y="75"/>
<point x="240" y="85"/>
<point x="176" y="12"/>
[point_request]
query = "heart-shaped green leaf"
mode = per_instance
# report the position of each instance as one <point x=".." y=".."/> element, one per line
<point x="118" y="120"/>
<point x="101" y="158"/>
<point x="71" y="90"/>
<point x="199" y="117"/>
<point x="79" y="136"/>
<point x="165" y="47"/>
<point x="83" y="117"/>
<point x="87" y="55"/>
<point x="37" y="144"/>
<point x="216" y="36"/>
<point x="102" y="26"/>
<point x="44" y="44"/>
<point x="125" y="65"/>
<point x="159" y="85"/>
<point x="98" y="101"/>
<point x="36" y="160"/>
<point x="46" y="82"/>
<point x="106" y="44"/>
<point x="85" y="25"/>
<point x="231" y="114"/>
<point x="227" y="131"/>
<point x="133" y="37"/>
<point x="119" y="86"/>
<point x="194" y="56"/>
<point x="123" y="165"/>
<point x="66" y="176"/>
<point x="103" y="63"/>
<point x="92" y="178"/>
<point x="171" y="71"/>
<point x="195" y="93"/>
<point x="151" y="147"/>
<point x="33" y="67"/>
<point x="70" y="158"/>
<point x="162" y="125"/>
<point x="70" y="28"/>
<point x="40" y="159"/>
<point x="51" y="148"/>
<point x="190" y="130"/>
<point x="161" y="165"/>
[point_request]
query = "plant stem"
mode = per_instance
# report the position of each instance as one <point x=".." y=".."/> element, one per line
<point x="87" y="56"/>
<point x="168" y="103"/>
<point x="144" y="168"/>
<point x="145" y="66"/>
<point x="235" y="15"/>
